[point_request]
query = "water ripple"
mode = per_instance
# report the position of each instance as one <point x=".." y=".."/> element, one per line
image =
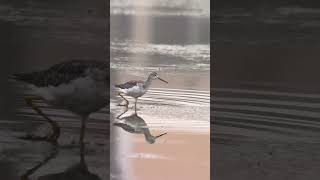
<point x="272" y="111"/>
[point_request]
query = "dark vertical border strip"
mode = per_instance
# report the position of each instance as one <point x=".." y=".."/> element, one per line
<point x="108" y="163"/>
<point x="211" y="85"/>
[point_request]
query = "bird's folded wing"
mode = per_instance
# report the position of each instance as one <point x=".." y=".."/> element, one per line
<point x="128" y="85"/>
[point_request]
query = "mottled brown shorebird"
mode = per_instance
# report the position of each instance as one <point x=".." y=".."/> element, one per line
<point x="80" y="86"/>
<point x="136" y="89"/>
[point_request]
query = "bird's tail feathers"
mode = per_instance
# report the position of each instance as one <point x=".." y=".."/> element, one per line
<point x="24" y="77"/>
<point x="14" y="78"/>
<point x="17" y="77"/>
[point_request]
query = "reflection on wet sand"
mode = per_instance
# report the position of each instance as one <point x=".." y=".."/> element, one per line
<point x="136" y="125"/>
<point x="78" y="171"/>
<point x="184" y="114"/>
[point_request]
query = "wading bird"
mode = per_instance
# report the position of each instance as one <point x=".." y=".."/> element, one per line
<point x="79" y="86"/>
<point x="136" y="89"/>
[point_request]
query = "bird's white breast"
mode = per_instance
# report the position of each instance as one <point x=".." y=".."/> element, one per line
<point x="136" y="91"/>
<point x="80" y="95"/>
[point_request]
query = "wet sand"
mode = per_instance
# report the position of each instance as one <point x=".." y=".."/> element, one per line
<point x="180" y="108"/>
<point x="265" y="134"/>
<point x="177" y="156"/>
<point x="241" y="157"/>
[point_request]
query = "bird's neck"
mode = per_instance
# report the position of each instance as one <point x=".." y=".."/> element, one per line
<point x="148" y="82"/>
<point x="147" y="134"/>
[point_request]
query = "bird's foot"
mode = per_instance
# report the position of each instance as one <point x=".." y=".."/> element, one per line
<point x="24" y="177"/>
<point x="134" y="108"/>
<point x="125" y="105"/>
<point x="54" y="135"/>
<point x="51" y="137"/>
<point x="31" y="137"/>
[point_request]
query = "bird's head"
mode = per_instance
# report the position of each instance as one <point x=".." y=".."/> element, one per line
<point x="154" y="75"/>
<point x="152" y="139"/>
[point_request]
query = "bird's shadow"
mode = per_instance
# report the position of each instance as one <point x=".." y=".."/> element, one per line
<point x="135" y="124"/>
<point x="77" y="171"/>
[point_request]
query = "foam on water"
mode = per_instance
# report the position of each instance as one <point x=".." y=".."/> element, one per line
<point x="164" y="56"/>
<point x="160" y="7"/>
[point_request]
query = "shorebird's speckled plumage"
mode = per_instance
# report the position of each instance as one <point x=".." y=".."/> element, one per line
<point x="79" y="86"/>
<point x="137" y="89"/>
<point x="128" y="85"/>
<point x="62" y="73"/>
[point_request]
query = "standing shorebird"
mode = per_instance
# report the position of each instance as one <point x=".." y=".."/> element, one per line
<point x="81" y="87"/>
<point x="136" y="89"/>
<point x="136" y="125"/>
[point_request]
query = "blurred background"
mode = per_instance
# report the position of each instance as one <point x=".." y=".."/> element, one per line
<point x="265" y="102"/>
<point x="35" y="35"/>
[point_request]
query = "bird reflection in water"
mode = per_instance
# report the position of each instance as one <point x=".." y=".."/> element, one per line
<point x="78" y="171"/>
<point x="136" y="125"/>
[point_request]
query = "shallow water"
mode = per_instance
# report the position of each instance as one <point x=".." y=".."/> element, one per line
<point x="266" y="110"/>
<point x="265" y="103"/>
<point x="269" y="128"/>
<point x="149" y="56"/>
<point x="172" y="39"/>
<point x="184" y="115"/>
<point x="40" y="34"/>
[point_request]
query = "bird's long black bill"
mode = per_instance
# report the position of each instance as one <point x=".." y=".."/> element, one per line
<point x="163" y="80"/>
<point x="117" y="124"/>
<point x="160" y="135"/>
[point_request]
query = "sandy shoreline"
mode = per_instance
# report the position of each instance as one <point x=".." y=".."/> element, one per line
<point x="173" y="157"/>
<point x="249" y="158"/>
<point x="182" y="154"/>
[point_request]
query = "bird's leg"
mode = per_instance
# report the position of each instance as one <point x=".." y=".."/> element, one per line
<point x="31" y="171"/>
<point x="82" y="133"/>
<point x="118" y="117"/>
<point x="54" y="135"/>
<point x="127" y="102"/>
<point x="135" y="105"/>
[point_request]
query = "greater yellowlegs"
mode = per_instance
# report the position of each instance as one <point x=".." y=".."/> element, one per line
<point x="79" y="86"/>
<point x="136" y="89"/>
<point x="136" y="125"/>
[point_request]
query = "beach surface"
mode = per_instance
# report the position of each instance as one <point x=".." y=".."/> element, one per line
<point x="183" y="113"/>
<point x="175" y="156"/>
<point x="141" y="43"/>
